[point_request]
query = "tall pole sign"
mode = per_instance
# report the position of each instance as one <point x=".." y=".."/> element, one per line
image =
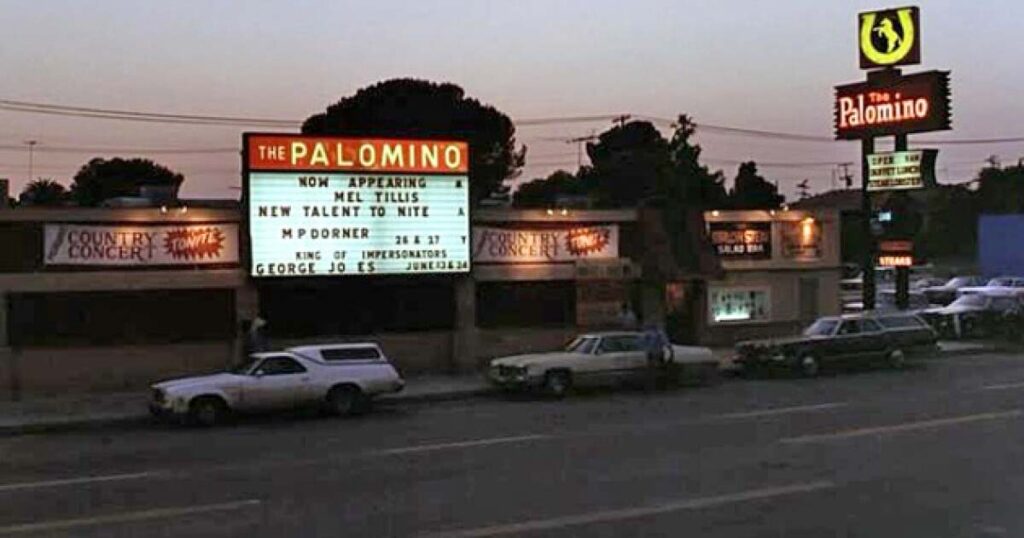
<point x="889" y="103"/>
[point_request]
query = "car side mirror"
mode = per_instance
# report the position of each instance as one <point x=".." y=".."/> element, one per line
<point x="258" y="373"/>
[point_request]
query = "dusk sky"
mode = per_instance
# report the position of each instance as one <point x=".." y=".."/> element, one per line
<point x="748" y="64"/>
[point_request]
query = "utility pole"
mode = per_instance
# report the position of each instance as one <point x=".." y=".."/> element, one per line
<point x="621" y="120"/>
<point x="847" y="178"/>
<point x="579" y="141"/>
<point x="31" y="149"/>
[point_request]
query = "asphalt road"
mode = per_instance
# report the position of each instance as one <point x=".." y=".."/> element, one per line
<point x="934" y="450"/>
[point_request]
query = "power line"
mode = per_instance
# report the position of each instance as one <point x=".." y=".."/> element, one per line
<point x="83" y="149"/>
<point x="236" y="121"/>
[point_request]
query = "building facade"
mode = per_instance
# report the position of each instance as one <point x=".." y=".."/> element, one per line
<point x="781" y="271"/>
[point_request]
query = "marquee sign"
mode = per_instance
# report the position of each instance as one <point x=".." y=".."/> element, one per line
<point x="751" y="240"/>
<point x="334" y="206"/>
<point x="507" y="245"/>
<point x="140" y="245"/>
<point x="889" y="38"/>
<point x="901" y="170"/>
<point x="893" y="105"/>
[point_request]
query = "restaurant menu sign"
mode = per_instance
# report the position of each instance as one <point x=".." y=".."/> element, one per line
<point x="901" y="170"/>
<point x="742" y="240"/>
<point x="140" y="245"/>
<point x="891" y="105"/>
<point x="504" y="245"/>
<point x="328" y="206"/>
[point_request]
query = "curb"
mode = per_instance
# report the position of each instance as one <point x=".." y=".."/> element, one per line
<point x="74" y="425"/>
<point x="143" y="418"/>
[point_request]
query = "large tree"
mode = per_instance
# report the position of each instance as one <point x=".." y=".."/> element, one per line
<point x="544" y="192"/>
<point x="701" y="187"/>
<point x="43" y="192"/>
<point x="423" y="109"/>
<point x="751" y="191"/>
<point x="102" y="179"/>
<point x="1001" y="189"/>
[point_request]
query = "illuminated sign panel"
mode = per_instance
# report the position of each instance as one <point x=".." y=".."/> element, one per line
<point x="801" y="241"/>
<point x="895" y="260"/>
<point x="890" y="106"/>
<point x="900" y="170"/>
<point x="140" y="245"/>
<point x="896" y="253"/>
<point x="750" y="240"/>
<point x="504" y="245"/>
<point x="325" y="206"/>
<point x="889" y="38"/>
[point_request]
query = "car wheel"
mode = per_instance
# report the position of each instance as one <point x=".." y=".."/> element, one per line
<point x="207" y="411"/>
<point x="896" y="358"/>
<point x="557" y="384"/>
<point x="345" y="400"/>
<point x="808" y="366"/>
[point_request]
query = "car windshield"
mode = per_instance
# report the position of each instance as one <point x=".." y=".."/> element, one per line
<point x="582" y="344"/>
<point x="960" y="281"/>
<point x="822" y="327"/>
<point x="245" y="366"/>
<point x="999" y="282"/>
<point x="970" y="300"/>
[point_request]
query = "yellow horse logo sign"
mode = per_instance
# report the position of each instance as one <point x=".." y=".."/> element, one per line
<point x="889" y="37"/>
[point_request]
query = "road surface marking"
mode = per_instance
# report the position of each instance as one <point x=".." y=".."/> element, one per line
<point x="1005" y="386"/>
<point x="125" y="517"/>
<point x="781" y="410"/>
<point x="75" y="481"/>
<point x="905" y="427"/>
<point x="460" y="444"/>
<point x="605" y="516"/>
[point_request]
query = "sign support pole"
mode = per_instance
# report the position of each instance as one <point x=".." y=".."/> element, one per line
<point x="867" y="147"/>
<point x="902" y="273"/>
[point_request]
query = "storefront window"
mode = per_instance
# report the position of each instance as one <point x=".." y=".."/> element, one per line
<point x="121" y="317"/>
<point x="526" y="304"/>
<point x="739" y="305"/>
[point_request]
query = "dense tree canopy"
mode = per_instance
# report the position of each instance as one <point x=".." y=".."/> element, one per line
<point x="43" y="192"/>
<point x="422" y="109"/>
<point x="751" y="191"/>
<point x="102" y="179"/>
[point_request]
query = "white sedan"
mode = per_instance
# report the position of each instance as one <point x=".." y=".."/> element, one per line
<point x="342" y="378"/>
<point x="601" y="359"/>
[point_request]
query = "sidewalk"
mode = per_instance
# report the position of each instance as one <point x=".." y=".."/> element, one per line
<point x="84" y="411"/>
<point x="87" y="411"/>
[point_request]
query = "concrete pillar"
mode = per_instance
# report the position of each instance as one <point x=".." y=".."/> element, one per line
<point x="247" y="307"/>
<point x="9" y="382"/>
<point x="464" y="334"/>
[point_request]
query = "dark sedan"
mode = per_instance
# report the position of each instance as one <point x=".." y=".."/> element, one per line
<point x="859" y="338"/>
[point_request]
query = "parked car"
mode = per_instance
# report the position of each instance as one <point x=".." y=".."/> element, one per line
<point x="997" y="286"/>
<point x="885" y="301"/>
<point x="604" y="358"/>
<point x="975" y="315"/>
<point x="946" y="293"/>
<point x="854" y="338"/>
<point x="342" y="378"/>
<point x="924" y="282"/>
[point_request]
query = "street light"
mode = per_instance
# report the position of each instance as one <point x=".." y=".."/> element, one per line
<point x="31" y="148"/>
